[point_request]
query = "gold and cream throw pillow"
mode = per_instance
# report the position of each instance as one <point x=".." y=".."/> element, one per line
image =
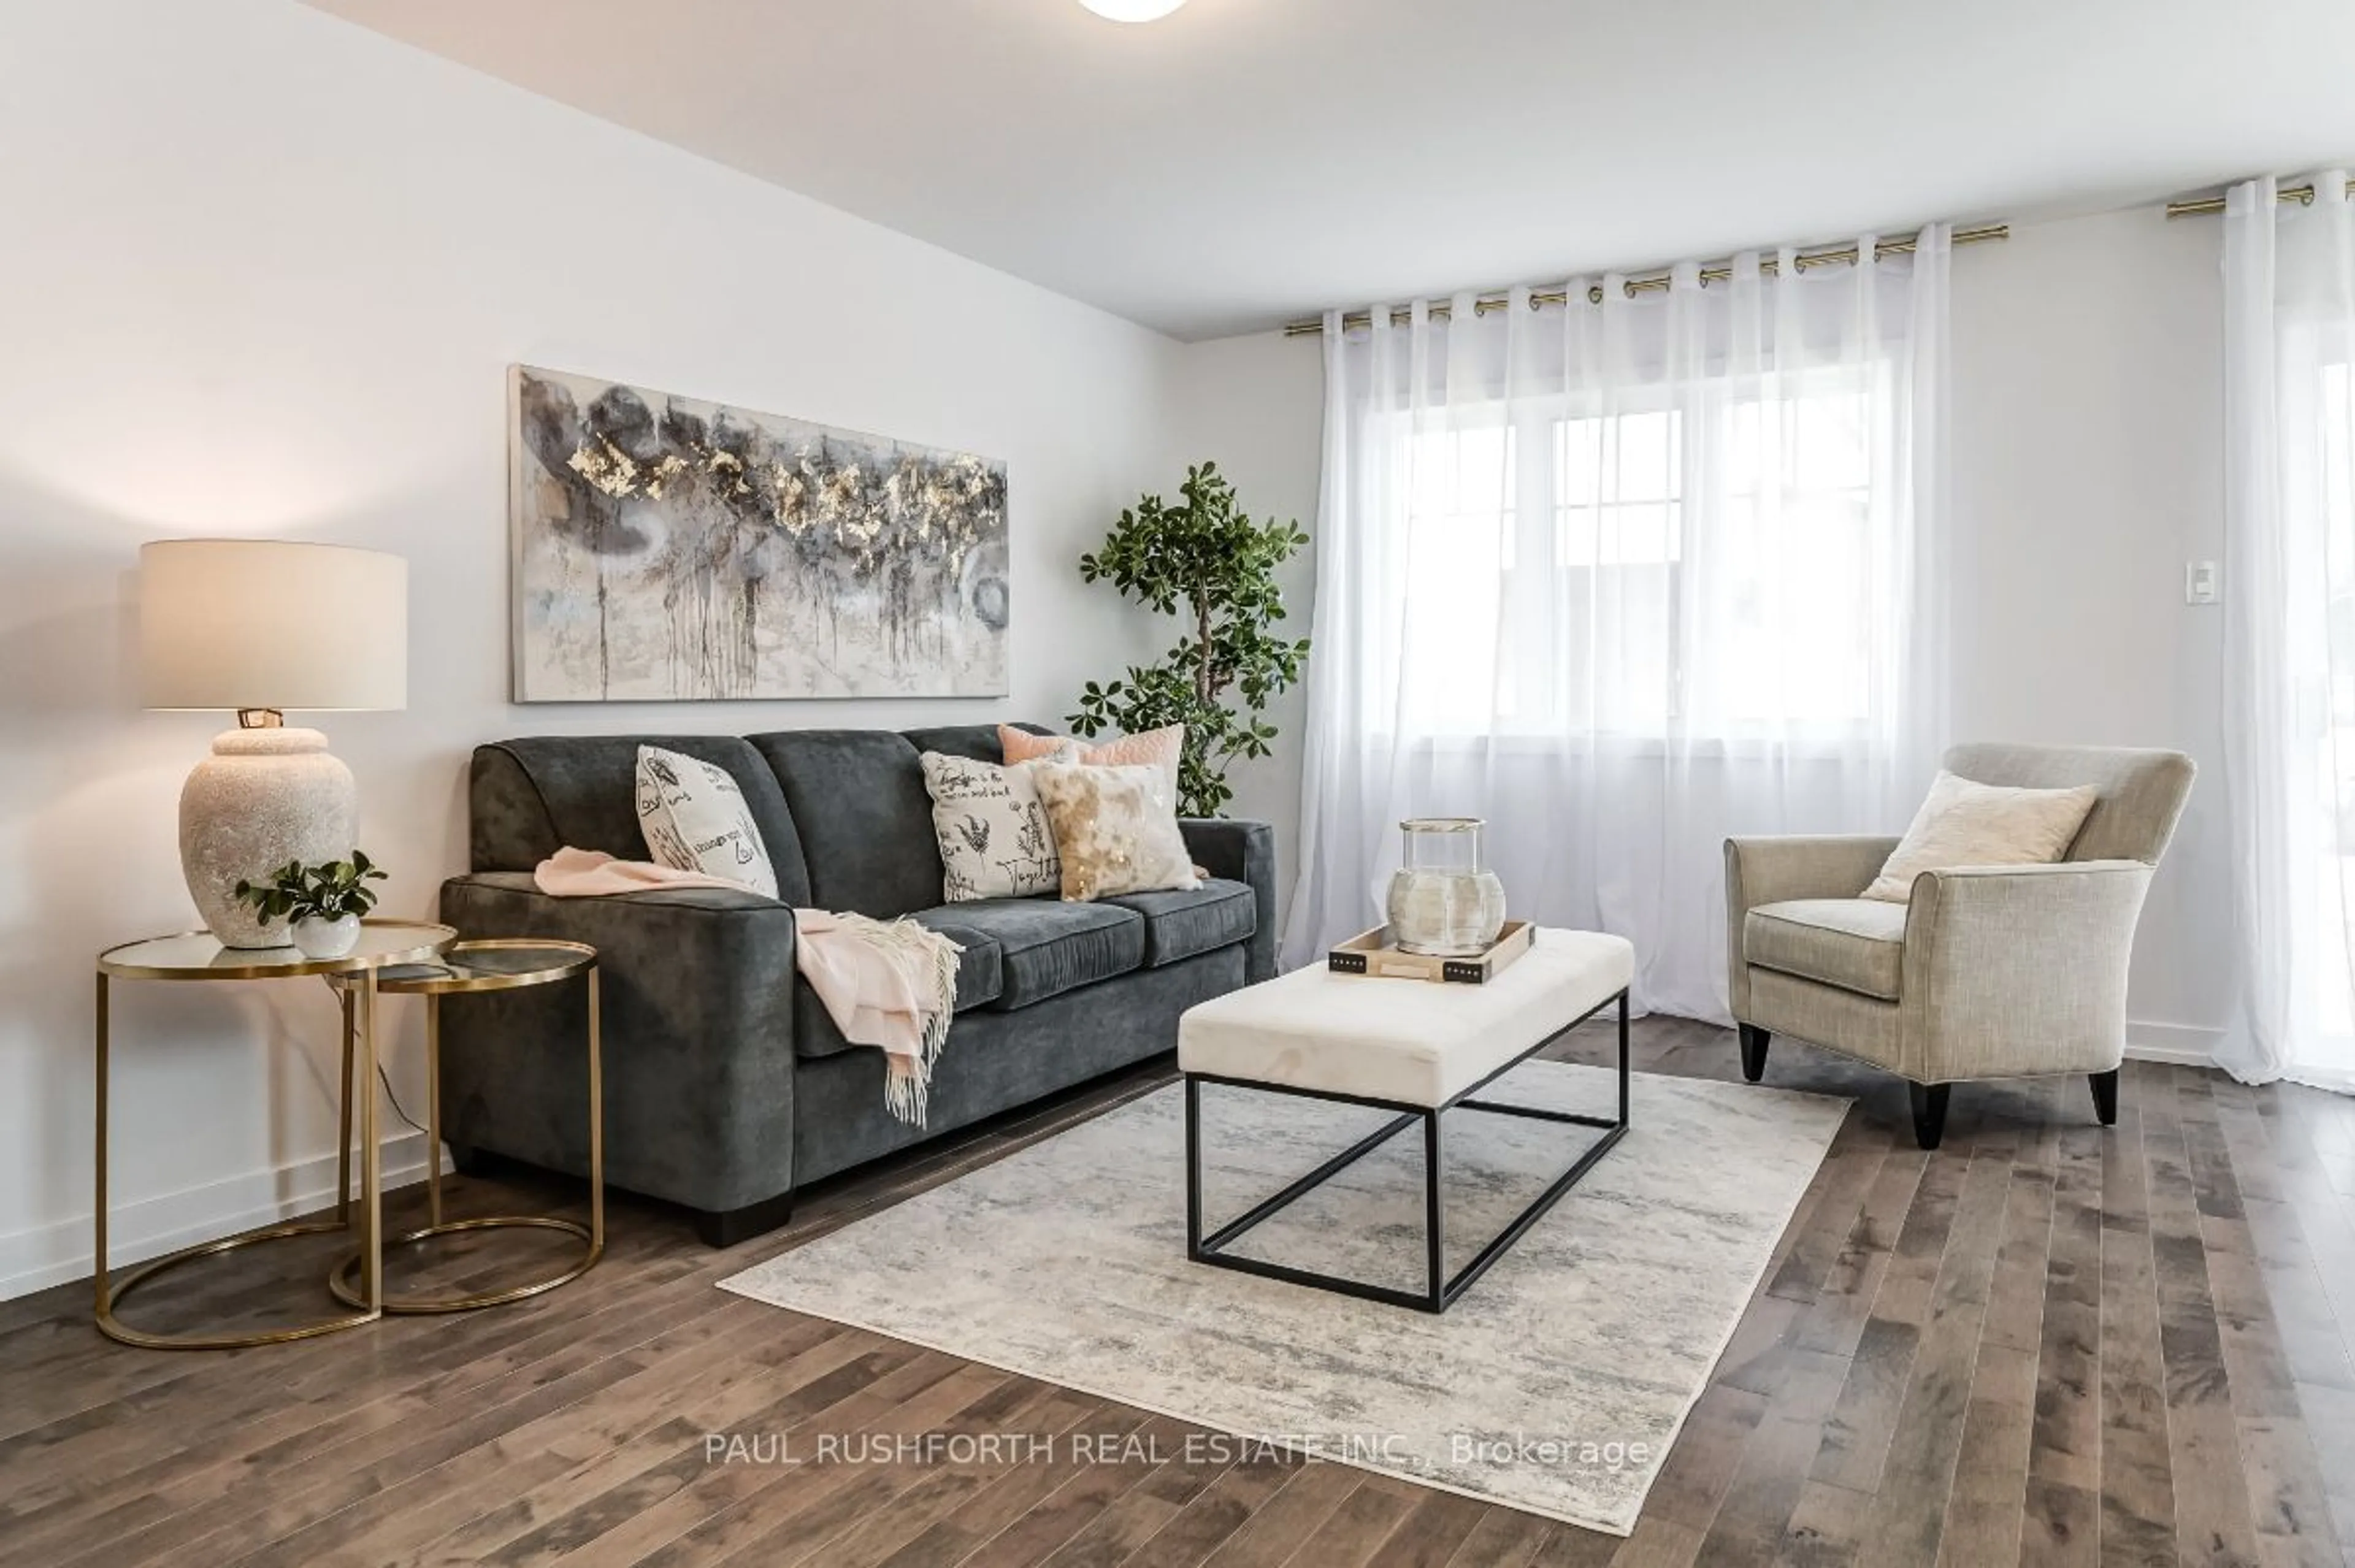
<point x="1115" y="829"/>
<point x="1967" y="823"/>
<point x="694" y="819"/>
<point x="995" y="841"/>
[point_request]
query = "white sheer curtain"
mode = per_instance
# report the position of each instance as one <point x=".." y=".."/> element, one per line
<point x="2290" y="596"/>
<point x="1626" y="578"/>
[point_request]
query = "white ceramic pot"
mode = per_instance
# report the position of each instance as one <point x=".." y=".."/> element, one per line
<point x="320" y="938"/>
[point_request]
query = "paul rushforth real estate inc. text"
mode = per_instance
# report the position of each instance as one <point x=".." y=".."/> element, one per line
<point x="1385" y="1450"/>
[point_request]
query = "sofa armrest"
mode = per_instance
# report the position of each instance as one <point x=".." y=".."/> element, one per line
<point x="1240" y="852"/>
<point x="2019" y="969"/>
<point x="697" y="999"/>
<point x="1772" y="870"/>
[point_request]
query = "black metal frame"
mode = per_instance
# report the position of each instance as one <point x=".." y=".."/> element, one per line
<point x="1442" y="1291"/>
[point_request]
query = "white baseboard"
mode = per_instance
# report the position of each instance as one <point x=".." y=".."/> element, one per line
<point x="54" y="1254"/>
<point x="2184" y="1045"/>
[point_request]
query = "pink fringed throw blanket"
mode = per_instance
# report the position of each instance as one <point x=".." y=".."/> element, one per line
<point x="888" y="983"/>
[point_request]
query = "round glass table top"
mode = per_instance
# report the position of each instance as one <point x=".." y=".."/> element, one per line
<point x="487" y="963"/>
<point x="198" y="954"/>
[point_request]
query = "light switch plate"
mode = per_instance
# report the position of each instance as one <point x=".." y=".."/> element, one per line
<point x="2200" y="582"/>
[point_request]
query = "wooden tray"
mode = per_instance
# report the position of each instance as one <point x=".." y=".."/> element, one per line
<point x="1371" y="953"/>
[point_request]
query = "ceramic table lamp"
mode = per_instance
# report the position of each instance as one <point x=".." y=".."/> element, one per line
<point x="260" y="626"/>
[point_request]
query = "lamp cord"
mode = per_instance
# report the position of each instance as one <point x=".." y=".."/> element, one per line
<point x="385" y="1079"/>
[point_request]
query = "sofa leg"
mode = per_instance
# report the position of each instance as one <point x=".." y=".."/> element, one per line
<point x="726" y="1227"/>
<point x="1929" y="1112"/>
<point x="2105" y="1096"/>
<point x="1754" y="1051"/>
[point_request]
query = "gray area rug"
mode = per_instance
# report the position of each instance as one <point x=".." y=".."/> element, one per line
<point x="1555" y="1385"/>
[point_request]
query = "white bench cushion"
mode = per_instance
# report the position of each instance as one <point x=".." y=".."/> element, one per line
<point x="1412" y="1041"/>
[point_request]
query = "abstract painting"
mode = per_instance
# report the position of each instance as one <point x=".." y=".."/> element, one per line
<point x="668" y="549"/>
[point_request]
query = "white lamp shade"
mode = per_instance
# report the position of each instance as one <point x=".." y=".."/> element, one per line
<point x="1133" y="10"/>
<point x="236" y="623"/>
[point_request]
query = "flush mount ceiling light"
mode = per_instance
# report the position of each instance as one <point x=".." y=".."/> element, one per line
<point x="1133" y="10"/>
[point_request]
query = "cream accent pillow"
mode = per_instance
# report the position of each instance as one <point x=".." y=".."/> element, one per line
<point x="995" y="841"/>
<point x="696" y="820"/>
<point x="1967" y="823"/>
<point x="1162" y="748"/>
<point x="1115" y="828"/>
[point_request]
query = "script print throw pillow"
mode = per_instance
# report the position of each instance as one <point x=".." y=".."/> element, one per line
<point x="993" y="837"/>
<point x="696" y="820"/>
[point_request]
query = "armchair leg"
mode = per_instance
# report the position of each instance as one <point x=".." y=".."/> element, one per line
<point x="1754" y="1051"/>
<point x="1929" y="1112"/>
<point x="2105" y="1096"/>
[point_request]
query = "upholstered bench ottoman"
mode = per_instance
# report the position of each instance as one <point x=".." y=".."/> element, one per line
<point x="1409" y="1046"/>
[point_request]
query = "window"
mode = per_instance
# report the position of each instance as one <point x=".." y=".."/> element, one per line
<point x="1618" y="490"/>
<point x="1800" y="558"/>
<point x="1462" y="552"/>
<point x="1706" y="564"/>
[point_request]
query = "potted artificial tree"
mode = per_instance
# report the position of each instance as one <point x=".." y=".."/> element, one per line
<point x="1210" y="564"/>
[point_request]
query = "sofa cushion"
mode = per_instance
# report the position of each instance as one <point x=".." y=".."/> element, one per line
<point x="532" y="796"/>
<point x="1858" y="944"/>
<point x="1180" y="924"/>
<point x="1050" y="946"/>
<point x="981" y="971"/>
<point x="981" y="966"/>
<point x="858" y="797"/>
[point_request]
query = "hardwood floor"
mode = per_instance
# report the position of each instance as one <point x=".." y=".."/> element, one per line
<point x="2046" y="1343"/>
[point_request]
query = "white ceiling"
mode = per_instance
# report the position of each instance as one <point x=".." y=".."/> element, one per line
<point x="1246" y="162"/>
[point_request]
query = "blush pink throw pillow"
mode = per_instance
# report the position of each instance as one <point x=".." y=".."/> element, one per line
<point x="1158" y="748"/>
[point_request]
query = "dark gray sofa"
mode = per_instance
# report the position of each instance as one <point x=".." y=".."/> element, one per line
<point x="727" y="1085"/>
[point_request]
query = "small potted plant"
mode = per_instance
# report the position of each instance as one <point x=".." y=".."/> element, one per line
<point x="323" y="904"/>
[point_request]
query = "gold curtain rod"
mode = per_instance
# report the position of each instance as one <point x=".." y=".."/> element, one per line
<point x="2198" y="207"/>
<point x="1843" y="255"/>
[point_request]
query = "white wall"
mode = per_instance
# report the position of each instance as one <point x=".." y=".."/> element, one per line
<point x="2087" y="435"/>
<point x="1255" y="406"/>
<point x="2088" y="432"/>
<point x="263" y="272"/>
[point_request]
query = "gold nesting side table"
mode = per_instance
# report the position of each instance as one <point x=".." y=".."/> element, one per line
<point x="197" y="956"/>
<point x="465" y="968"/>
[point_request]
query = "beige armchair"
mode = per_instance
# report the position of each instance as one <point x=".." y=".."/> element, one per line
<point x="1989" y="972"/>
